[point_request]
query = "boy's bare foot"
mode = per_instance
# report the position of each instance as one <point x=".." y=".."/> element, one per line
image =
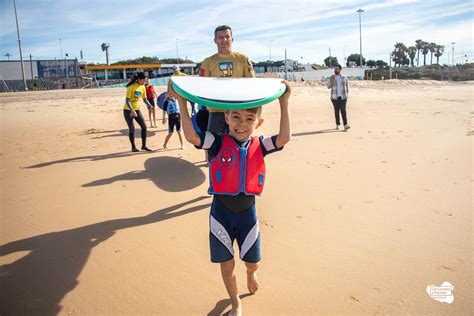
<point x="236" y="309"/>
<point x="252" y="282"/>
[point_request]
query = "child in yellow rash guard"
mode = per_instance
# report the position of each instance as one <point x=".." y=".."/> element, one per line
<point x="131" y="109"/>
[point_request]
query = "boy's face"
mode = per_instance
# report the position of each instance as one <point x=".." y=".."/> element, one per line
<point x="242" y="123"/>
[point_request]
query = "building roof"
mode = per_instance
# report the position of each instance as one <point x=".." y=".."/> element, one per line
<point x="135" y="66"/>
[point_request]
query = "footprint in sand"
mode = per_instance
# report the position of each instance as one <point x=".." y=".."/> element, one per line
<point x="265" y="222"/>
<point x="353" y="298"/>
<point x="443" y="267"/>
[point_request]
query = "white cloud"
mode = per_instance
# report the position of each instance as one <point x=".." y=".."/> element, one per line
<point x="305" y="28"/>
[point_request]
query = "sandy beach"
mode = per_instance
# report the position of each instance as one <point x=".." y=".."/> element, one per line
<point x="352" y="223"/>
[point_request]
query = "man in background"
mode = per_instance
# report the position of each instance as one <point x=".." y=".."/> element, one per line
<point x="339" y="93"/>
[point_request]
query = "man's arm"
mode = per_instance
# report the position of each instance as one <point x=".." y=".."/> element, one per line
<point x="203" y="69"/>
<point x="284" y="134"/>
<point x="249" y="72"/>
<point x="330" y="82"/>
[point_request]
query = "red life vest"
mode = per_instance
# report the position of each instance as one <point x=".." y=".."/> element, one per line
<point x="237" y="170"/>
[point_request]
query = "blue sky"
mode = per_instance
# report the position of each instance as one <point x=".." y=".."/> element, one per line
<point x="307" y="29"/>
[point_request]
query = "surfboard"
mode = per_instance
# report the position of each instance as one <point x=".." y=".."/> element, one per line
<point x="229" y="93"/>
<point x="161" y="99"/>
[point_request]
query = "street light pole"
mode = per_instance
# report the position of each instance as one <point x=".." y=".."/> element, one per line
<point x="60" y="49"/>
<point x="31" y="67"/>
<point x="65" y="64"/>
<point x="360" y="35"/>
<point x="330" y="58"/>
<point x="19" y="46"/>
<point x="453" y="52"/>
<point x="177" y="55"/>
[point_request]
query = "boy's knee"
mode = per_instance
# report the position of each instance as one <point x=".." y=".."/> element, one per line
<point x="227" y="267"/>
<point x="251" y="266"/>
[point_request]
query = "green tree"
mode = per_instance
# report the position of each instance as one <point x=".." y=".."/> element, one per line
<point x="399" y="55"/>
<point x="152" y="60"/>
<point x="355" y="58"/>
<point x="330" y="61"/>
<point x="411" y="54"/>
<point x="432" y="49"/>
<point x="380" y="63"/>
<point x="439" y="52"/>
<point x="371" y="63"/>
<point x="419" y="47"/>
<point x="425" y="50"/>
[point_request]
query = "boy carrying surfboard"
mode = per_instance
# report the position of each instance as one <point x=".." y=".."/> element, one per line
<point x="237" y="175"/>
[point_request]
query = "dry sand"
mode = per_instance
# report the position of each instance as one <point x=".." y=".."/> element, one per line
<point x="351" y="223"/>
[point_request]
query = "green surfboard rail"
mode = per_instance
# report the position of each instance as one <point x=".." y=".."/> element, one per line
<point x="223" y="105"/>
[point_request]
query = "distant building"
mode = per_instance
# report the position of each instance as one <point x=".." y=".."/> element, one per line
<point x="69" y="73"/>
<point x="114" y="72"/>
<point x="279" y="66"/>
<point x="47" y="69"/>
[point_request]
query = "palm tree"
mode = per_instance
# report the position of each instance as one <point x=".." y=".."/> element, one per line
<point x="419" y="46"/>
<point x="432" y="48"/>
<point x="399" y="54"/>
<point x="425" y="50"/>
<point x="411" y="54"/>
<point x="439" y="52"/>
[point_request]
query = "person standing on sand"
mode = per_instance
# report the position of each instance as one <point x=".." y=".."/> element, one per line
<point x="225" y="63"/>
<point x="174" y="120"/>
<point x="150" y="96"/>
<point x="131" y="109"/>
<point x="237" y="174"/>
<point x="339" y="93"/>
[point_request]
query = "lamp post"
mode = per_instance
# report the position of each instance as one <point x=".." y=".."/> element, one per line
<point x="31" y="67"/>
<point x="360" y="34"/>
<point x="453" y="52"/>
<point x="60" y="49"/>
<point x="19" y="46"/>
<point x="177" y="55"/>
<point x="65" y="64"/>
<point x="8" y="55"/>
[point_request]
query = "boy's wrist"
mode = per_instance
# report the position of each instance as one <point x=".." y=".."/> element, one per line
<point x="284" y="103"/>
